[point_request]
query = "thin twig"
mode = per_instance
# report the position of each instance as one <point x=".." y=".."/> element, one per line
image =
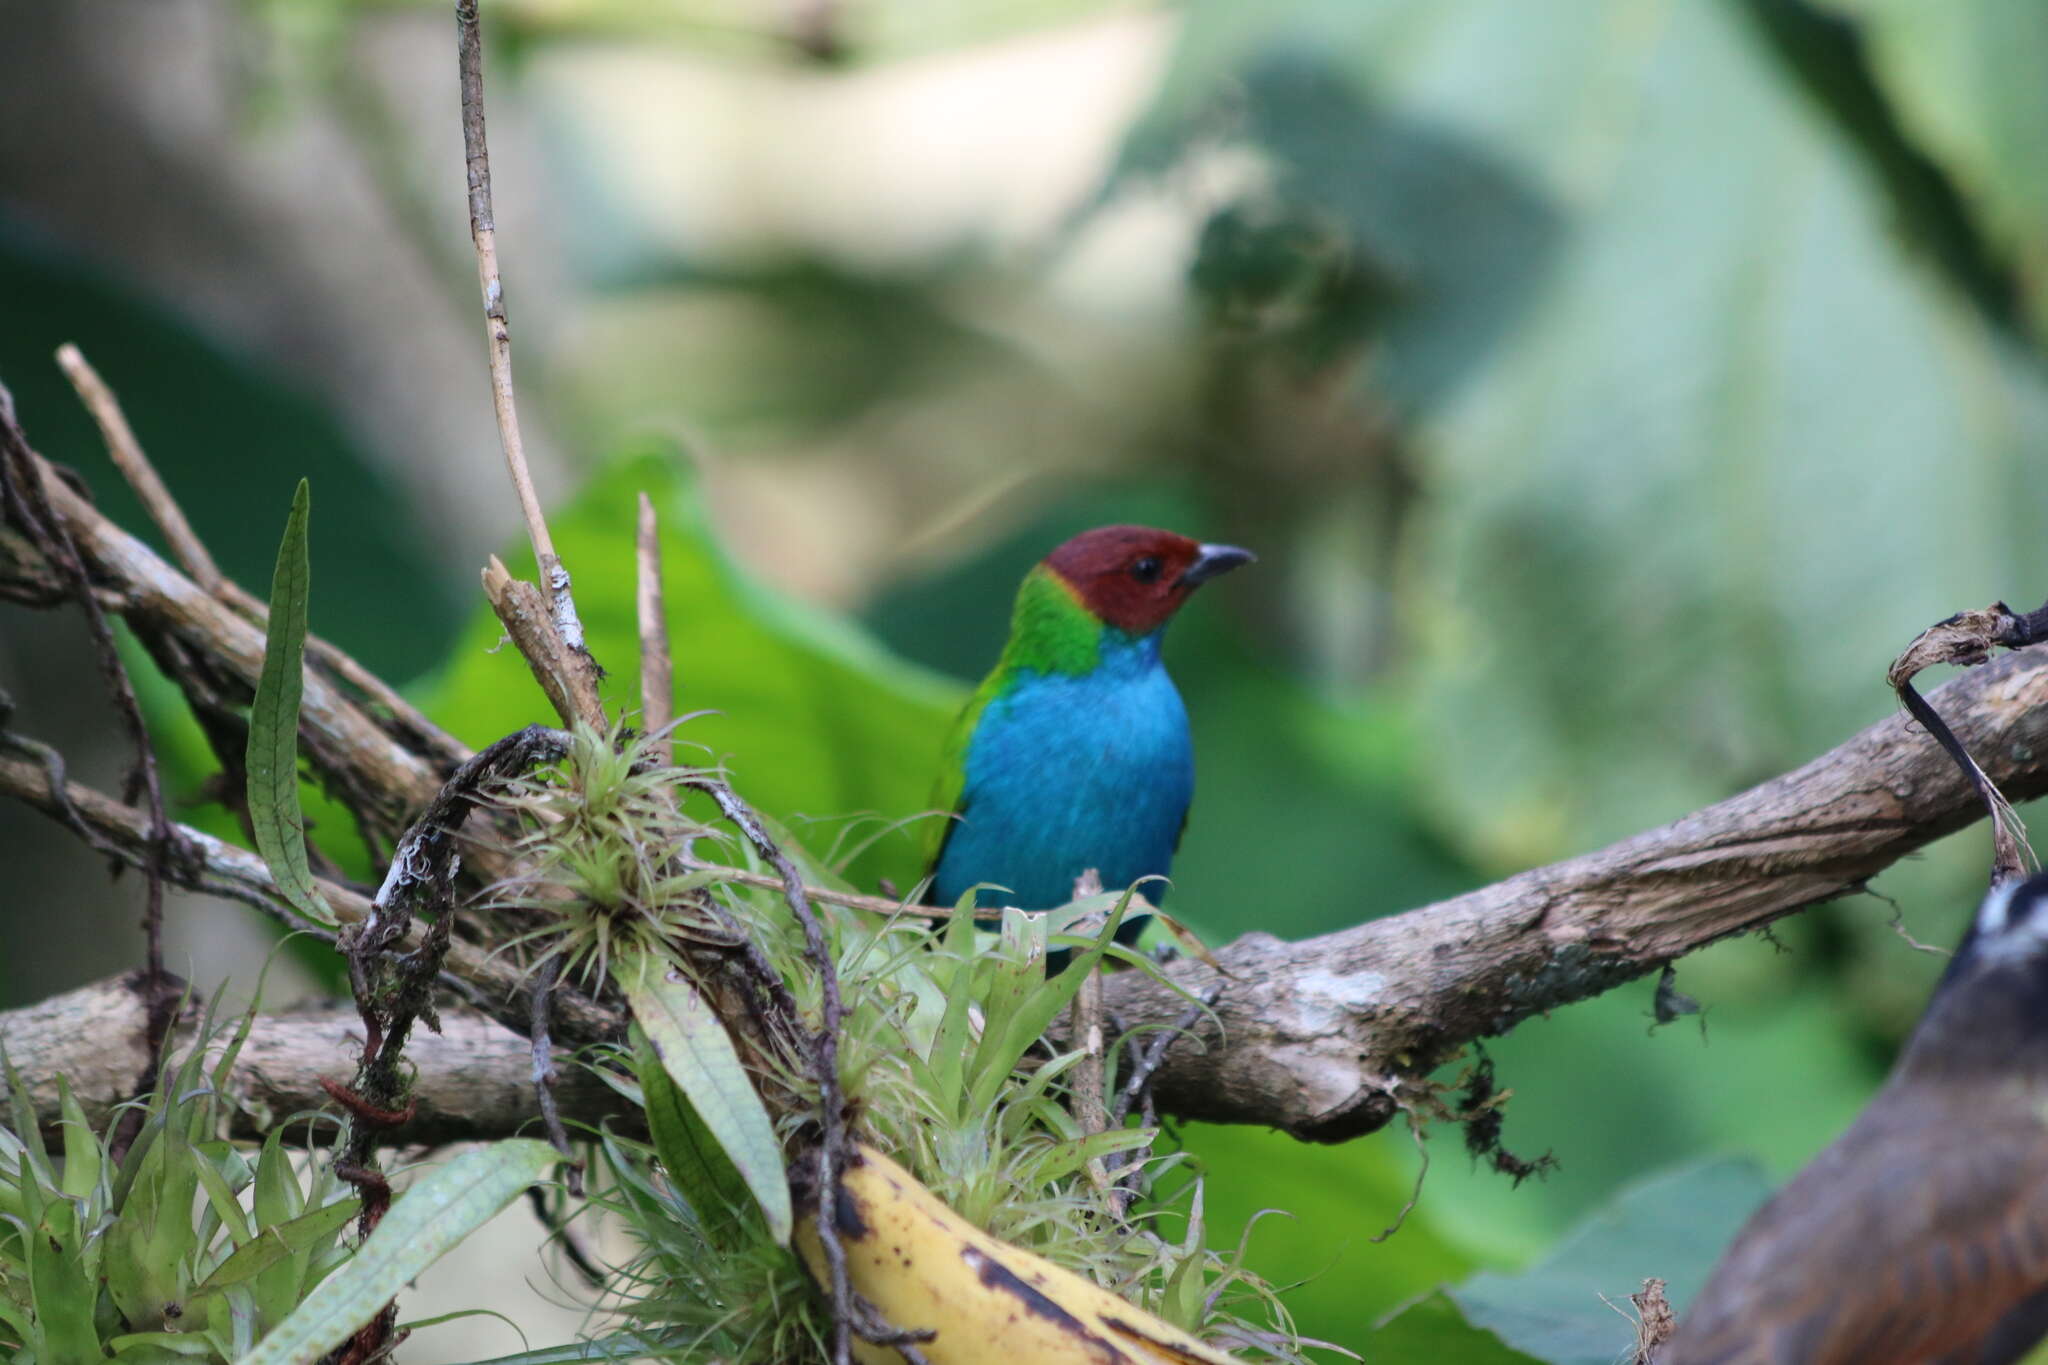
<point x="376" y="769"/>
<point x="1151" y="1052"/>
<point x="852" y="900"/>
<point x="25" y="502"/>
<point x="135" y="467"/>
<point x="544" y="1075"/>
<point x="1421" y="1174"/>
<point x="483" y="230"/>
<point x="191" y="552"/>
<point x="657" y="666"/>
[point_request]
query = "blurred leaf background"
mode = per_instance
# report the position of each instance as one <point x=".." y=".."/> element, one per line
<point x="1609" y="388"/>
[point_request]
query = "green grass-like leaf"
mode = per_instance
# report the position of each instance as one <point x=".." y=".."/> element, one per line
<point x="273" y="754"/>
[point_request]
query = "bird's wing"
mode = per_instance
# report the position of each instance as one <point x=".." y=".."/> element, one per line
<point x="1906" y="1241"/>
<point x="949" y="793"/>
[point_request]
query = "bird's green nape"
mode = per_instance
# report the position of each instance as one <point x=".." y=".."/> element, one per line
<point x="1050" y="631"/>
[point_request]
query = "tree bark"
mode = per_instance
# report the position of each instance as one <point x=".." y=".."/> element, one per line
<point x="475" y="1077"/>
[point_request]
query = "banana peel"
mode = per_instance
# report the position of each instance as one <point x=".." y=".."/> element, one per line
<point x="925" y="1267"/>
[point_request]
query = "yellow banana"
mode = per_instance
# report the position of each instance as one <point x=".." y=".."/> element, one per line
<point x="924" y="1266"/>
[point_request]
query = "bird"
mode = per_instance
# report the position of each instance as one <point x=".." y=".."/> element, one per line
<point x="1921" y="1234"/>
<point x="1074" y="753"/>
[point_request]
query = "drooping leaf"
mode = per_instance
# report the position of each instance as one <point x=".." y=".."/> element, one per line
<point x="273" y="754"/>
<point x="425" y="1224"/>
<point x="699" y="1057"/>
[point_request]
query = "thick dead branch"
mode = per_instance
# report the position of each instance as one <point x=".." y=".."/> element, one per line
<point x="1316" y="1036"/>
<point x="475" y="1077"/>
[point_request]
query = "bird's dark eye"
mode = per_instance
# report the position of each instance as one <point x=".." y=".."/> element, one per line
<point x="1146" y="570"/>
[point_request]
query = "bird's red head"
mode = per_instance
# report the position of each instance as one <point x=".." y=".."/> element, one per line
<point x="1135" y="577"/>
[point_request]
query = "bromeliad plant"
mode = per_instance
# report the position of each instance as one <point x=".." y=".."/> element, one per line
<point x="943" y="1064"/>
<point x="185" y="1249"/>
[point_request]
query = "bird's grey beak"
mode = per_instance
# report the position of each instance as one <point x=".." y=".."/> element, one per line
<point x="1211" y="560"/>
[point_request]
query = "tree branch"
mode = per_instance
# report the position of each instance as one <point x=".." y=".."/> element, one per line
<point x="1317" y="1037"/>
<point x="475" y="1077"/>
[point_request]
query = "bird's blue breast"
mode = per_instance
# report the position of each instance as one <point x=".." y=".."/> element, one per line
<point x="1065" y="773"/>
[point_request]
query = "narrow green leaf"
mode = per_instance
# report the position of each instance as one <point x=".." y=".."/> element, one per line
<point x="698" y="1055"/>
<point x="26" y="1129"/>
<point x="220" y="1197"/>
<point x="702" y="1173"/>
<point x="84" y="1159"/>
<point x="278" y="1200"/>
<point x="421" y="1227"/>
<point x="278" y="1242"/>
<point x="954" y="971"/>
<point x="273" y="755"/>
<point x="1011" y="1030"/>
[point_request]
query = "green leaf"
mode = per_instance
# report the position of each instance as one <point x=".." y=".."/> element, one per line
<point x="84" y="1159"/>
<point x="429" y="1221"/>
<point x="624" y="1346"/>
<point x="27" y="1131"/>
<point x="1433" y="1328"/>
<point x="273" y="754"/>
<point x="221" y="1198"/>
<point x="1671" y="1227"/>
<point x="64" y="1291"/>
<point x="699" y="1057"/>
<point x="278" y="1200"/>
<point x="701" y="1171"/>
<point x="153" y="1240"/>
<point x="279" y="1242"/>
